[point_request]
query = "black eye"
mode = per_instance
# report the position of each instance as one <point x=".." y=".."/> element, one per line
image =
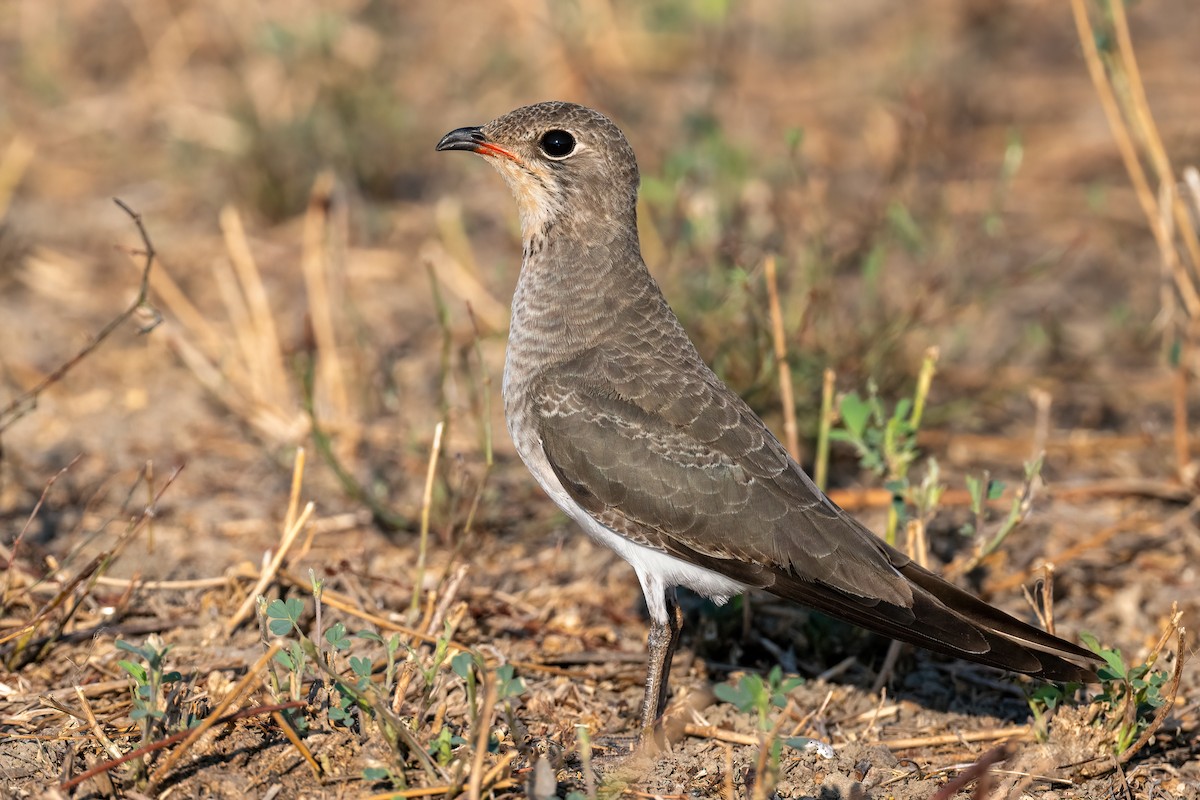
<point x="557" y="144"/>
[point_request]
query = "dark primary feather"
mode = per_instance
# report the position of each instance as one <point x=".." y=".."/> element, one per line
<point x="672" y="459"/>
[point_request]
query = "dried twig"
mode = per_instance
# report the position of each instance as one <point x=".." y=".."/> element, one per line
<point x="172" y="739"/>
<point x="97" y="730"/>
<point x="976" y="772"/>
<point x="431" y="791"/>
<point x="37" y="507"/>
<point x="719" y="734"/>
<point x="988" y="735"/>
<point x="28" y="401"/>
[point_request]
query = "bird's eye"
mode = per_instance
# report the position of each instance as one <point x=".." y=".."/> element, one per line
<point x="557" y="144"/>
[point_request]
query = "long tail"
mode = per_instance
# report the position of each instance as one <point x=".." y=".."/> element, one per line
<point x="948" y="620"/>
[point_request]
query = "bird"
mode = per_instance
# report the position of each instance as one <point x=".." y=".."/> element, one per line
<point x="636" y="439"/>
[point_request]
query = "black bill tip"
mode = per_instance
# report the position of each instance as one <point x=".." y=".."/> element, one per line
<point x="471" y="139"/>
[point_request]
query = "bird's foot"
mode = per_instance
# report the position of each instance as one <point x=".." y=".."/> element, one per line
<point x="652" y="740"/>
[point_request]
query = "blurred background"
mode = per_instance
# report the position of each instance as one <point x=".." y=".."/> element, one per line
<point x="935" y="173"/>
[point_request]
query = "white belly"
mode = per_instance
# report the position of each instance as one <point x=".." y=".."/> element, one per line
<point x="658" y="572"/>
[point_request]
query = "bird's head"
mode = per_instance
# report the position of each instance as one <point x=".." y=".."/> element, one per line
<point x="567" y="165"/>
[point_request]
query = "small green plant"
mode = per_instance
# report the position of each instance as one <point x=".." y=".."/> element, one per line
<point x="464" y="665"/>
<point x="1014" y="154"/>
<point x="508" y="685"/>
<point x="149" y="680"/>
<point x="470" y="666"/>
<point x="282" y="618"/>
<point x="391" y="646"/>
<point x="886" y="442"/>
<point x="443" y="745"/>
<point x="983" y="490"/>
<point x="440" y="650"/>
<point x="355" y="697"/>
<point x="1043" y="701"/>
<point x="360" y="695"/>
<point x="1131" y="694"/>
<point x="383" y="775"/>
<point x="1129" y="699"/>
<point x="355" y="692"/>
<point x="753" y="693"/>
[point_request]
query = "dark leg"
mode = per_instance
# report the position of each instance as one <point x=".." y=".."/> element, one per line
<point x="663" y="639"/>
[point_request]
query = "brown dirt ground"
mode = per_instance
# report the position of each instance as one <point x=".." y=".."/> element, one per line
<point x="897" y="227"/>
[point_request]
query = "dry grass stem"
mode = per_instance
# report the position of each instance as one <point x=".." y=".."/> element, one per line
<point x="97" y="730"/>
<point x="166" y="586"/>
<point x="729" y="792"/>
<point x="252" y="385"/>
<point x="483" y="734"/>
<point x="426" y="504"/>
<point x="1043" y="610"/>
<point x="791" y="434"/>
<point x="286" y="540"/>
<point x="1042" y="401"/>
<point x="265" y="356"/>
<point x="323" y="292"/>
<point x="13" y="165"/>
<point x="1129" y="155"/>
<point x="447" y="595"/>
<point x="1152" y="140"/>
<point x="816" y="714"/>
<point x="821" y="463"/>
<point x="965" y="737"/>
<point x="887" y="668"/>
<point x="297" y="742"/>
<point x="719" y="734"/>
